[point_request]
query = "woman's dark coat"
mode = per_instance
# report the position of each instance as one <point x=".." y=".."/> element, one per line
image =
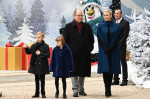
<point x="109" y="53"/>
<point x="39" y="63"/>
<point x="81" y="45"/>
<point x="61" y="62"/>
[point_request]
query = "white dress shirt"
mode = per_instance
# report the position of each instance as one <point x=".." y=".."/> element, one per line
<point x="119" y="20"/>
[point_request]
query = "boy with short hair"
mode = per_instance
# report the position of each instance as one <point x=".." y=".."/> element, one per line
<point x="39" y="62"/>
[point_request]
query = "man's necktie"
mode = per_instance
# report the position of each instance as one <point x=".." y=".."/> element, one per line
<point x="117" y="21"/>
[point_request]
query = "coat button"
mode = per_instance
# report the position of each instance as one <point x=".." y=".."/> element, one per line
<point x="35" y="63"/>
<point x="39" y="63"/>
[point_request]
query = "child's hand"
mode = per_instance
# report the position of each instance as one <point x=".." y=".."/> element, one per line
<point x="37" y="52"/>
<point x="70" y="71"/>
<point x="26" y="46"/>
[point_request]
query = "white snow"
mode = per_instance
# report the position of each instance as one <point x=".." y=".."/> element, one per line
<point x="4" y="34"/>
<point x="53" y="31"/>
<point x="139" y="45"/>
<point x="25" y="34"/>
<point x="53" y="16"/>
<point x="133" y="73"/>
<point x="52" y="28"/>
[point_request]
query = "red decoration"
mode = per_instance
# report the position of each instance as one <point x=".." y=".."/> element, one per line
<point x="20" y="45"/>
<point x="94" y="63"/>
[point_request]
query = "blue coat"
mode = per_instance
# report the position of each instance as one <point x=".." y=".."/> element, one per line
<point x="61" y="62"/>
<point x="104" y="64"/>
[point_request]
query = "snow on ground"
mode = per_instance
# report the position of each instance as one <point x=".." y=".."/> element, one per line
<point x="140" y="81"/>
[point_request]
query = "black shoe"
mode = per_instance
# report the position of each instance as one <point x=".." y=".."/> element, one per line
<point x="123" y="83"/>
<point x="82" y="93"/>
<point x="57" y="94"/>
<point x="43" y="96"/>
<point x="107" y="92"/>
<point x="35" y="96"/>
<point x="75" y="94"/>
<point x="115" y="83"/>
<point x="64" y="95"/>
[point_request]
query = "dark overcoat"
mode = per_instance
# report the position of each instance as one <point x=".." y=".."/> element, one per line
<point x="39" y="65"/>
<point x="81" y="45"/>
<point x="109" y="62"/>
<point x="61" y="62"/>
<point x="124" y="32"/>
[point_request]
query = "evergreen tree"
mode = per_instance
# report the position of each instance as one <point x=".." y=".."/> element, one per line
<point x="10" y="23"/>
<point x="25" y="34"/>
<point x="19" y="14"/>
<point x="139" y="43"/>
<point x="2" y="13"/>
<point x="14" y="25"/>
<point x="63" y="22"/>
<point x="36" y="19"/>
<point x="4" y="34"/>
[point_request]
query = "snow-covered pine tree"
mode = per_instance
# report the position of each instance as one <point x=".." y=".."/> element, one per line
<point x="11" y="25"/>
<point x="139" y="42"/>
<point x="2" y="13"/>
<point x="25" y="34"/>
<point x="19" y="14"/>
<point x="4" y="34"/>
<point x="36" y="19"/>
<point x="17" y="22"/>
<point x="63" y="22"/>
<point x="9" y="21"/>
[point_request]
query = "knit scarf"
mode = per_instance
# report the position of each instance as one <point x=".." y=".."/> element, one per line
<point x="79" y="25"/>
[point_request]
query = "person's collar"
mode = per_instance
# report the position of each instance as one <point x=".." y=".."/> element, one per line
<point x="119" y="20"/>
<point x="58" y="47"/>
<point x="77" y="22"/>
<point x="74" y="24"/>
<point x="40" y="42"/>
<point x="108" y="22"/>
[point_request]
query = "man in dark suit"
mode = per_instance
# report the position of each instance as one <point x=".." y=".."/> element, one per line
<point x="124" y="32"/>
<point x="78" y="35"/>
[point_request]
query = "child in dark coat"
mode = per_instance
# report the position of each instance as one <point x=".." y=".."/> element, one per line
<point x="39" y="62"/>
<point x="61" y="64"/>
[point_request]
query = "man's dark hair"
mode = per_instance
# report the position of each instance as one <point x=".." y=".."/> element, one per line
<point x="120" y="10"/>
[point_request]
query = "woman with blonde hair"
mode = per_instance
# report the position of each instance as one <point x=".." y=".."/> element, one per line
<point x="109" y="50"/>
